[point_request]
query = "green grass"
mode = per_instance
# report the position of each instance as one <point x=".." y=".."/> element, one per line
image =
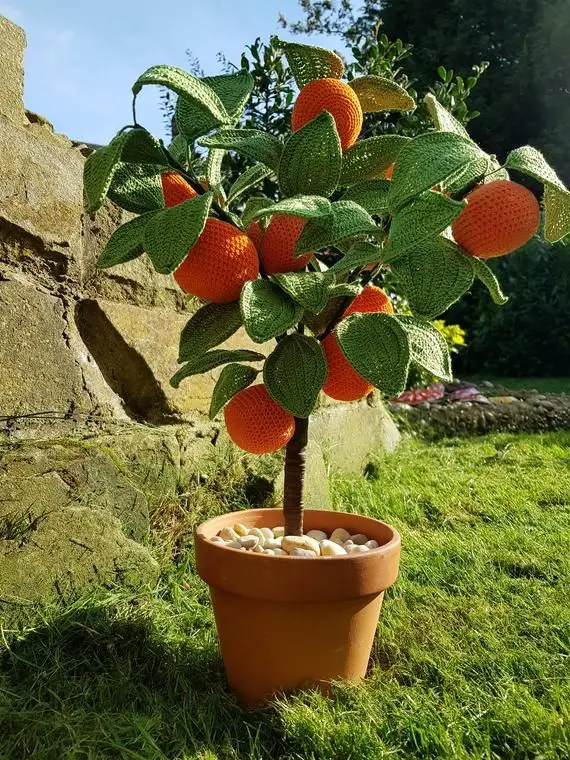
<point x="541" y="384"/>
<point x="472" y="658"/>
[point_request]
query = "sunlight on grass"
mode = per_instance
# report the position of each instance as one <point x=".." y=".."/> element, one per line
<point x="471" y="660"/>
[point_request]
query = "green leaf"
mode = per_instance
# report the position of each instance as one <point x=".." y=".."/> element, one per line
<point x="233" y="379"/>
<point x="214" y="168"/>
<point x="484" y="273"/>
<point x="360" y="255"/>
<point x="426" y="161"/>
<point x="381" y="94"/>
<point x="433" y="275"/>
<point x="185" y="85"/>
<point x="137" y="187"/>
<point x="208" y="327"/>
<point x="308" y="62"/>
<point x="173" y="231"/>
<point x="294" y="373"/>
<point x="305" y="206"/>
<point x="211" y="360"/>
<point x="252" y="176"/>
<point x="311" y="159"/>
<point x="531" y="162"/>
<point x="423" y="218"/>
<point x="442" y="119"/>
<point x="347" y="220"/>
<point x="474" y="170"/>
<point x="143" y="148"/>
<point x="309" y="289"/>
<point x="371" y="194"/>
<point x="252" y="206"/>
<point x="125" y="244"/>
<point x="99" y="170"/>
<point x="345" y="289"/>
<point x="257" y="145"/>
<point x="427" y="346"/>
<point x="366" y="159"/>
<point x="266" y="310"/>
<point x="178" y="149"/>
<point x="377" y="347"/>
<point x="233" y="90"/>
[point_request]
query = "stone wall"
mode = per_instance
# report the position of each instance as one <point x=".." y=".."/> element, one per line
<point x="85" y="362"/>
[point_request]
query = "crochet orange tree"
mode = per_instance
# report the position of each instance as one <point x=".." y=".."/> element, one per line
<point x="431" y="209"/>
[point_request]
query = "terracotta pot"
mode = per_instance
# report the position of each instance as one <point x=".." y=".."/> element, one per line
<point x="290" y="622"/>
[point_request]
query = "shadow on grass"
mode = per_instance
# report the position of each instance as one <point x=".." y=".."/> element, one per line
<point x="90" y="684"/>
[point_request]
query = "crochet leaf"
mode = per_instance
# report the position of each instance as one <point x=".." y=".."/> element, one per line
<point x="369" y="158"/>
<point x="371" y="194"/>
<point x="531" y="162"/>
<point x="381" y="94"/>
<point x="143" y="148"/>
<point x="186" y="86"/>
<point x="427" y="346"/>
<point x="266" y="310"/>
<point x="426" y="161"/>
<point x="360" y="255"/>
<point x="311" y="159"/>
<point x="345" y="289"/>
<point x="252" y="206"/>
<point x="253" y="143"/>
<point x="442" y="119"/>
<point x="99" y="170"/>
<point x="211" y="360"/>
<point x="137" y="187"/>
<point x="294" y="373"/>
<point x="470" y="172"/>
<point x="178" y="149"/>
<point x="377" y="347"/>
<point x="233" y="379"/>
<point x="233" y="90"/>
<point x="125" y="244"/>
<point x="214" y="168"/>
<point x="425" y="217"/>
<point x="309" y="289"/>
<point x="252" y="176"/>
<point x="433" y="275"/>
<point x="173" y="231"/>
<point x="308" y="62"/>
<point x="346" y="220"/>
<point x="207" y="328"/>
<point x="305" y="206"/>
<point x="484" y="273"/>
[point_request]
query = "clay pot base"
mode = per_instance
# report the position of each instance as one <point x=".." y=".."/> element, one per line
<point x="291" y="622"/>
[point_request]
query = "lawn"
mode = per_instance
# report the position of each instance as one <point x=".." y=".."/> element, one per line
<point x="471" y="661"/>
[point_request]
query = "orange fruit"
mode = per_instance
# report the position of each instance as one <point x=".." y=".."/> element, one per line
<point x="254" y="232"/>
<point x="277" y="248"/>
<point x="343" y="382"/>
<point x="499" y="218"/>
<point x="336" y="97"/>
<point x="219" y="264"/>
<point x="175" y="189"/>
<point x="256" y="423"/>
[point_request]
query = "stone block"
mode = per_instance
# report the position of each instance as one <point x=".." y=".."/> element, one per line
<point x="12" y="46"/>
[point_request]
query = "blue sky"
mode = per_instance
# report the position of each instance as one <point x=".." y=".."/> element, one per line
<point x="82" y="57"/>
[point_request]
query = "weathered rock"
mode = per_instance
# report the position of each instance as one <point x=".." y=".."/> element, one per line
<point x="11" y="65"/>
<point x="65" y="553"/>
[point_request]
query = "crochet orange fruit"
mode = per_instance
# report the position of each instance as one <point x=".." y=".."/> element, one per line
<point x="499" y="218"/>
<point x="221" y="262"/>
<point x="343" y="383"/>
<point x="336" y="97"/>
<point x="277" y="247"/>
<point x="256" y="423"/>
<point x="254" y="232"/>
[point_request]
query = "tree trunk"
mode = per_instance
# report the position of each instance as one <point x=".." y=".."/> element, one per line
<point x="293" y="498"/>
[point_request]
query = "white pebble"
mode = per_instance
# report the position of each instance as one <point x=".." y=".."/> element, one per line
<point x="348" y="544"/>
<point x="241" y="529"/>
<point x="228" y="534"/>
<point x="269" y="551"/>
<point x="331" y="549"/>
<point x="279" y="552"/>
<point x="279" y="531"/>
<point x="273" y="544"/>
<point x="234" y="545"/>
<point x="217" y="540"/>
<point x="372" y="544"/>
<point x="301" y="542"/>
<point x="298" y="552"/>
<point x="258" y="549"/>
<point x="318" y="535"/>
<point x="268" y="533"/>
<point x="358" y="549"/>
<point x="340" y="536"/>
<point x="359" y="538"/>
<point x="259" y="534"/>
<point x="248" y="542"/>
